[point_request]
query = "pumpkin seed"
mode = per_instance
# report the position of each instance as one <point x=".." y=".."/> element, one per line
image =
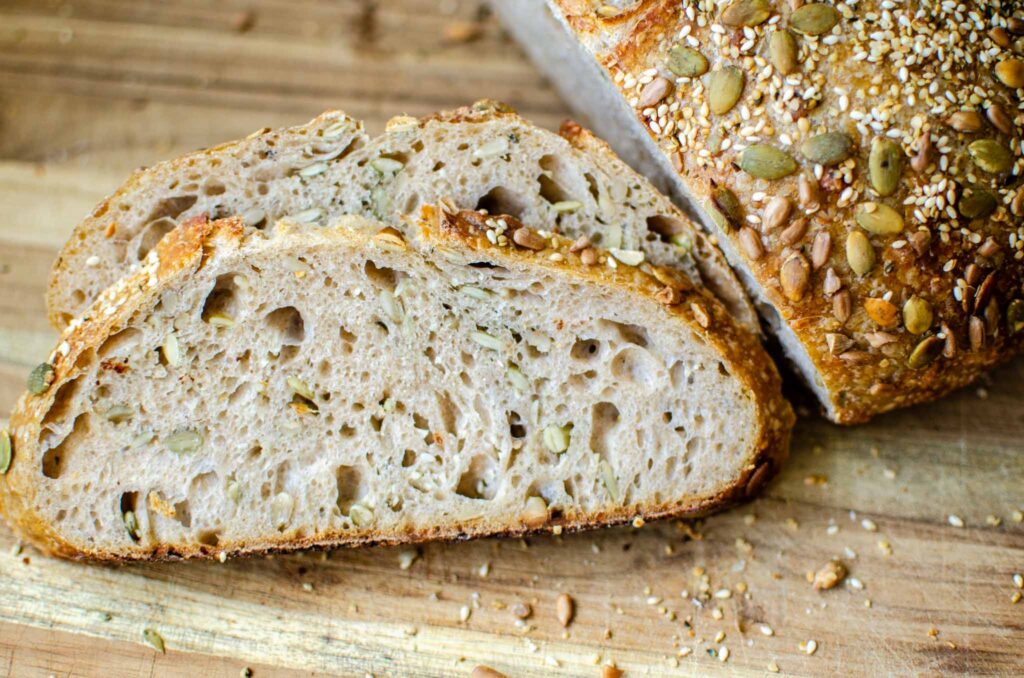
<point x="40" y="378"/>
<point x="131" y="524"/>
<point x="556" y="438"/>
<point x="611" y="485"/>
<point x="725" y="87"/>
<point x="686" y="62"/>
<point x="728" y="206"/>
<point x="885" y="164"/>
<point x="171" y="350"/>
<point x="184" y="441"/>
<point x="794" y="276"/>
<point x="925" y="353"/>
<point x="783" y="51"/>
<point x="5" y="445"/>
<point x="991" y="156"/>
<point x="917" y="315"/>
<point x="860" y="255"/>
<point x="282" y="506"/>
<point x="767" y="162"/>
<point x="878" y="218"/>
<point x="1011" y="73"/>
<point x="828" y="149"/>
<point x="816" y="18"/>
<point x="486" y="340"/>
<point x="1014" y="317"/>
<point x="360" y="515"/>
<point x="882" y="312"/>
<point x="746" y="13"/>
<point x="118" y="414"/>
<point x="153" y="639"/>
<point x="976" y="203"/>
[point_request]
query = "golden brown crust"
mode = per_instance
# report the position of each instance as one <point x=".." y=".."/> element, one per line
<point x="185" y="250"/>
<point x="884" y="78"/>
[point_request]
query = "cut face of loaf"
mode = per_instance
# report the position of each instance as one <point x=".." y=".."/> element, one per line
<point x="247" y="391"/>
<point x="864" y="181"/>
<point x="484" y="156"/>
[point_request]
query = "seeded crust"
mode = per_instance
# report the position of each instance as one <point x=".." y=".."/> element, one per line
<point x="846" y="332"/>
<point x="484" y="155"/>
<point x="448" y="238"/>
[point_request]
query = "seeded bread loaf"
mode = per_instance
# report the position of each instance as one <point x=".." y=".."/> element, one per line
<point x="246" y="391"/>
<point x="859" y="161"/>
<point x="482" y="156"/>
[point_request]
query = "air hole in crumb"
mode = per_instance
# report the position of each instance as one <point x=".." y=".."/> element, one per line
<point x="172" y="207"/>
<point x="550" y="188"/>
<point x="515" y="425"/>
<point x="350" y="487"/>
<point x="222" y="299"/>
<point x="500" y="200"/>
<point x="477" y="481"/>
<point x="585" y="349"/>
<point x="287" y="322"/>
<point x="723" y="370"/>
<point x="62" y="402"/>
<point x="635" y="365"/>
<point x="448" y="411"/>
<point x="592" y="185"/>
<point x="633" y="334"/>
<point x="604" y="417"/>
<point x="209" y="538"/>
<point x="152" y="233"/>
<point x="664" y="226"/>
<point x="381" y="276"/>
<point x="56" y="459"/>
<point x="183" y="514"/>
<point x="129" y="500"/>
<point x="119" y="344"/>
<point x="214" y="188"/>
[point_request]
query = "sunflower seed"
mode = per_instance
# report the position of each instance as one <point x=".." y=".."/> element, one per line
<point x="837" y="343"/>
<point x="686" y="62"/>
<point x="282" y="506"/>
<point x="966" y="121"/>
<point x="171" y="350"/>
<point x="925" y="353"/>
<point x="118" y="414"/>
<point x="6" y="450"/>
<point x="313" y="170"/>
<point x="40" y="378"/>
<point x="474" y="292"/>
<point x="814" y="19"/>
<point x="154" y="640"/>
<point x="494" y="147"/>
<point x="525" y="236"/>
<point x="387" y="166"/>
<point x="220" y="320"/>
<point x="783" y="51"/>
<point x="882" y="312"/>
<point x="184" y="441"/>
<point x="832" y="282"/>
<point x="1011" y="72"/>
<point x="556" y="438"/>
<point x="131" y="524"/>
<point x="821" y="249"/>
<point x="306" y="216"/>
<point x="392" y="307"/>
<point x="486" y="340"/>
<point x="627" y="257"/>
<point x="234" y="490"/>
<point x="917" y="315"/>
<point x="1015" y="316"/>
<point x="976" y="203"/>
<point x="360" y="515"/>
<point x="794" y="276"/>
<point x="767" y="162"/>
<point x="518" y="379"/>
<point x="776" y="212"/>
<point x="725" y="87"/>
<point x="878" y="218"/>
<point x="795" y="232"/>
<point x="976" y="333"/>
<point x="808" y="192"/>
<point x="828" y="149"/>
<point x="747" y="13"/>
<point x="991" y="156"/>
<point x="1000" y="119"/>
<point x="611" y="485"/>
<point x="750" y="241"/>
<point x="860" y="255"/>
<point x="654" y="91"/>
<point x="842" y="306"/>
<point x="566" y="206"/>
<point x="885" y="164"/>
<point x="923" y="157"/>
<point x="1000" y="37"/>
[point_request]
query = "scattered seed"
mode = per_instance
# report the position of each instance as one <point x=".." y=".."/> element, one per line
<point x="154" y="640"/>
<point x="482" y="671"/>
<point x="1000" y="119"/>
<point x="131" y="524"/>
<point x="767" y="162"/>
<point x="627" y="257"/>
<point x="815" y="18"/>
<point x="728" y="206"/>
<point x="608" y="671"/>
<point x="566" y="206"/>
<point x="795" y="232"/>
<point x="976" y="203"/>
<point x="536" y="510"/>
<point x="118" y="414"/>
<point x="282" y="506"/>
<point x="564" y="609"/>
<point x="829" y="575"/>
<point x="40" y="378"/>
<point x="923" y="157"/>
<point x="686" y="62"/>
<point x="521" y="610"/>
<point x="611" y="485"/>
<point x="821" y="249"/>
<point x="750" y="241"/>
<point x="361" y="516"/>
<point x="842" y="306"/>
<point x="956" y="521"/>
<point x="171" y="350"/>
<point x="528" y="238"/>
<point x="497" y="146"/>
<point x="724" y="89"/>
<point x="810" y="647"/>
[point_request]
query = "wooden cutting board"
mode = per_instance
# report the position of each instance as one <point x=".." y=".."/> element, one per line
<point x="91" y="89"/>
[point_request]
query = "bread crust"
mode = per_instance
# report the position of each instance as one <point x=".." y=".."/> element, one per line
<point x="891" y="80"/>
<point x="185" y="250"/>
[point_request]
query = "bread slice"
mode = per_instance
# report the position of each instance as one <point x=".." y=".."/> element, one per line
<point x="482" y="156"/>
<point x="870" y="197"/>
<point x="246" y="391"/>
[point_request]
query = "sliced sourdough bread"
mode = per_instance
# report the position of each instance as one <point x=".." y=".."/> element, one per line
<point x="865" y="181"/>
<point x="247" y="391"/>
<point x="481" y="156"/>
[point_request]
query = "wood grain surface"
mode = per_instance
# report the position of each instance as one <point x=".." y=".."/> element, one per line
<point x="91" y="89"/>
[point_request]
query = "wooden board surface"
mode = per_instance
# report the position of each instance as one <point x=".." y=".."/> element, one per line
<point x="91" y="89"/>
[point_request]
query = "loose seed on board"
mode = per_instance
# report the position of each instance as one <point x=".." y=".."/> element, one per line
<point x="860" y="254"/>
<point x="885" y="164"/>
<point x="991" y="156"/>
<point x="40" y="378"/>
<point x="767" y="162"/>
<point x="828" y="149"/>
<point x="746" y="13"/>
<point x="154" y="640"/>
<point x="724" y="89"/>
<point x="482" y="671"/>
<point x="925" y="353"/>
<point x="794" y="276"/>
<point x="6" y="451"/>
<point x="878" y="218"/>
<point x="816" y="18"/>
<point x="917" y="315"/>
<point x="828" y="576"/>
<point x="686" y="62"/>
<point x="564" y="608"/>
<point x="783" y="51"/>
